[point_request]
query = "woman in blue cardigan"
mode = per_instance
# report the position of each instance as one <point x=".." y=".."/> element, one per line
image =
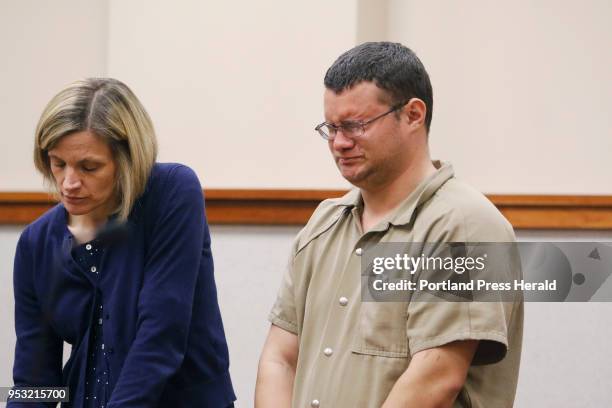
<point x="121" y="269"/>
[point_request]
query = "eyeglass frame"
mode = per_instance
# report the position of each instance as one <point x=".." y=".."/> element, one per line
<point x="361" y="124"/>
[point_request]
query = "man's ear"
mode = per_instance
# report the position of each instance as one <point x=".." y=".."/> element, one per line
<point x="414" y="112"/>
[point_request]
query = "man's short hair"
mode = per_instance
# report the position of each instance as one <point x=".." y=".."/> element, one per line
<point x="391" y="66"/>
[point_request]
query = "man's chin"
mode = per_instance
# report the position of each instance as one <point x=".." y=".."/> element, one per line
<point x="355" y="178"/>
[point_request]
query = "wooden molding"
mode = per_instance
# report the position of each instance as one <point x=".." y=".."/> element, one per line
<point x="561" y="212"/>
<point x="294" y="207"/>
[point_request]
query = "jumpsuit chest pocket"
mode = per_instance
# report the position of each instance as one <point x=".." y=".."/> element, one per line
<point x="381" y="329"/>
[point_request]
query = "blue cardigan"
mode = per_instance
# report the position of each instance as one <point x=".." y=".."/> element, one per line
<point x="162" y="331"/>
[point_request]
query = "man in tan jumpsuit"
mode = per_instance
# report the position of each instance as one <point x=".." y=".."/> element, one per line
<point x="327" y="348"/>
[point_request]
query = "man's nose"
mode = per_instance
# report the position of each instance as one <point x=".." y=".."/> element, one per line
<point x="72" y="181"/>
<point x="342" y="142"/>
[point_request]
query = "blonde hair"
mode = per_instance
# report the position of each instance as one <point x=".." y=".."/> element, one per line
<point x="107" y="108"/>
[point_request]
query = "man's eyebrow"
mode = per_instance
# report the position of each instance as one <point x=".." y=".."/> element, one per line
<point x="351" y="122"/>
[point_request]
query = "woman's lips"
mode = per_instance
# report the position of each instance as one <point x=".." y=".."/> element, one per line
<point x="73" y="200"/>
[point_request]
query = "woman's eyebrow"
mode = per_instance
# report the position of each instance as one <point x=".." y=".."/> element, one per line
<point x="92" y="159"/>
<point x="88" y="159"/>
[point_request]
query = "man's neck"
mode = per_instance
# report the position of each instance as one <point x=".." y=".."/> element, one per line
<point x="380" y="201"/>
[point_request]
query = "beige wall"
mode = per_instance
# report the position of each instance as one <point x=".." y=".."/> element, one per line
<point x="43" y="46"/>
<point x="235" y="88"/>
<point x="522" y="89"/>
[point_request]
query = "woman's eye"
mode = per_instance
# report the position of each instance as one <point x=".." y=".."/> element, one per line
<point x="58" y="165"/>
<point x="89" y="169"/>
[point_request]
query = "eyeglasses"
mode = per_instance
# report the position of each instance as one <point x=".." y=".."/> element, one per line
<point x="351" y="129"/>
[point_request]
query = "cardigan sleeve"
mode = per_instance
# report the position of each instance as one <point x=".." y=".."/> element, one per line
<point x="166" y="298"/>
<point x="38" y="349"/>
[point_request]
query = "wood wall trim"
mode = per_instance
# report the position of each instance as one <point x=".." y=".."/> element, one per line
<point x="294" y="207"/>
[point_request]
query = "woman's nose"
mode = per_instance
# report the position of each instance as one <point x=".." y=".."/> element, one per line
<point x="72" y="181"/>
